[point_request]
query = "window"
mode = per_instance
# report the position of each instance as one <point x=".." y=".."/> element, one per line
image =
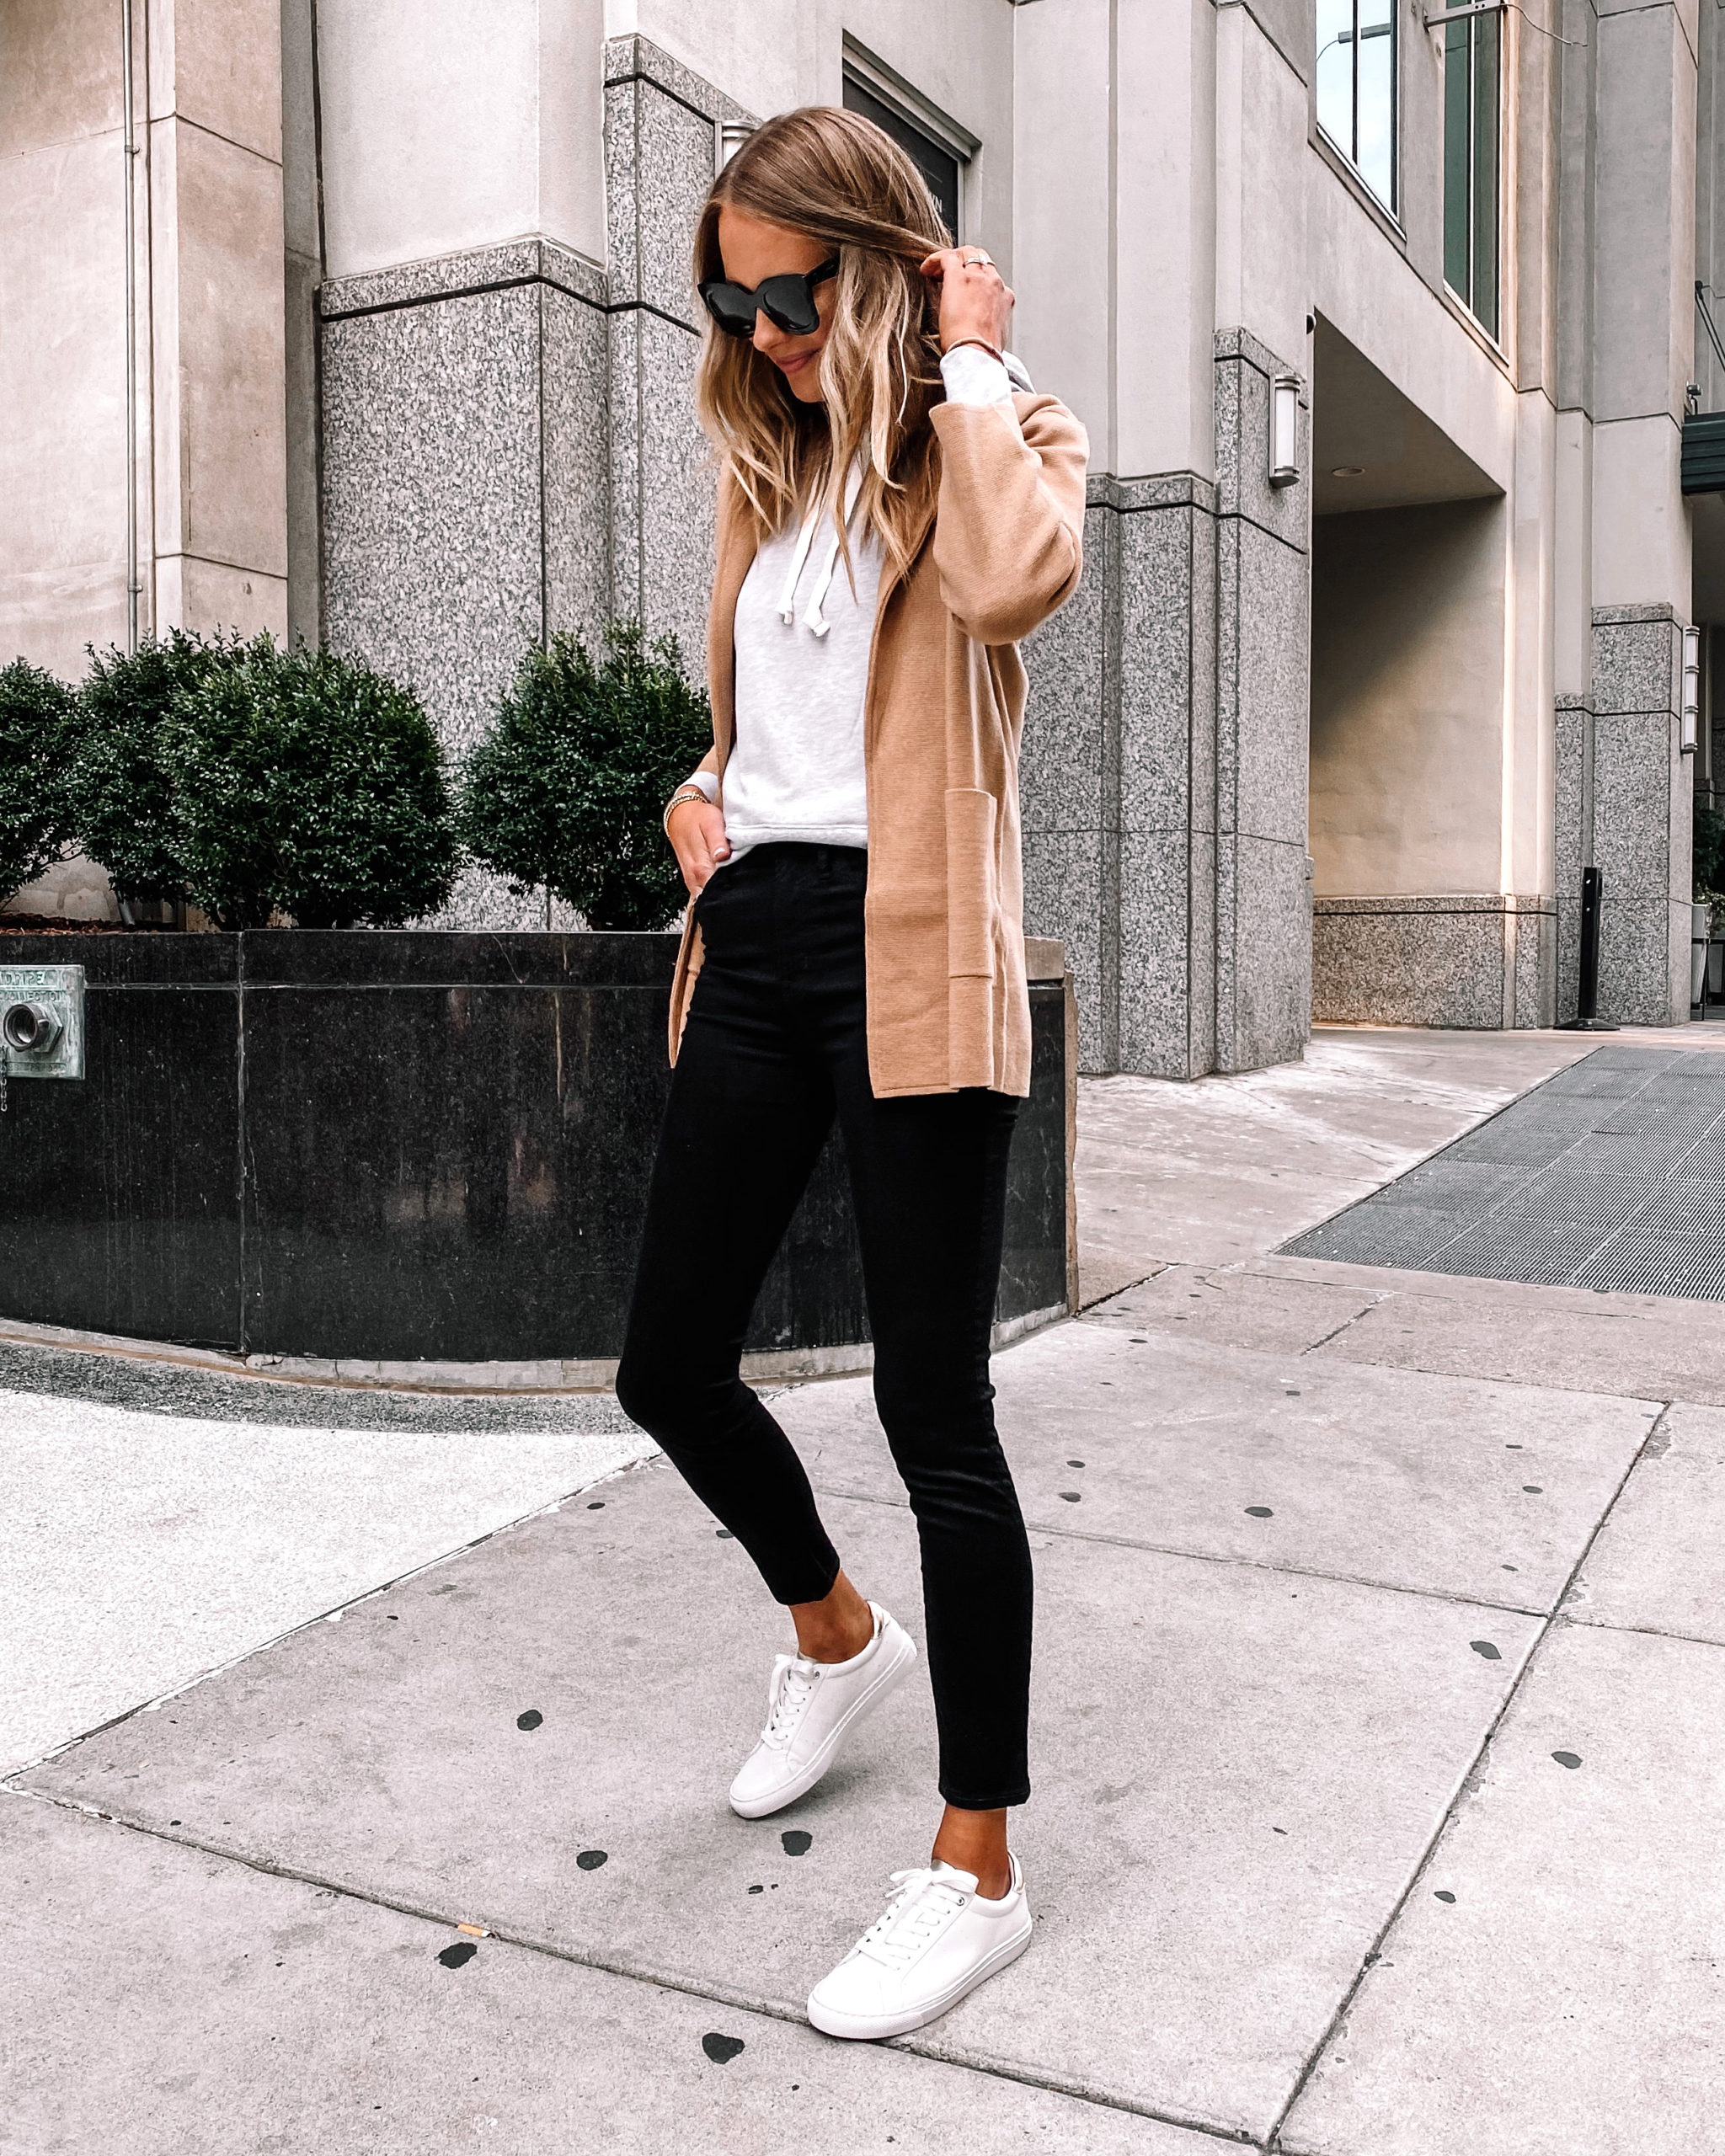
<point x="1471" y="60"/>
<point x="938" y="165"/>
<point x="1356" y="87"/>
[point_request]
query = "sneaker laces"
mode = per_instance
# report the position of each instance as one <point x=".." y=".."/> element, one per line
<point x="921" y="1904"/>
<point x="789" y="1689"/>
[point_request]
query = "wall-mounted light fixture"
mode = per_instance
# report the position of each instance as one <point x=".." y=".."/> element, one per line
<point x="1285" y="429"/>
<point x="731" y="134"/>
<point x="1691" y="690"/>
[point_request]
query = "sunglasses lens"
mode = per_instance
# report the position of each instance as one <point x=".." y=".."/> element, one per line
<point x="731" y="307"/>
<point x="787" y="301"/>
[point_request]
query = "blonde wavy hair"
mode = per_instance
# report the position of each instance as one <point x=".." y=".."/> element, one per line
<point x="838" y="178"/>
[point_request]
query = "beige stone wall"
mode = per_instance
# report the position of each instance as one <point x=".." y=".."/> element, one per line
<point x="207" y="427"/>
<point x="208" y="423"/>
<point x="62" y="359"/>
<point x="219" y="522"/>
<point x="1407" y="701"/>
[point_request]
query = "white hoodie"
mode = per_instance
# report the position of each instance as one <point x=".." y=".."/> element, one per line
<point x="801" y="640"/>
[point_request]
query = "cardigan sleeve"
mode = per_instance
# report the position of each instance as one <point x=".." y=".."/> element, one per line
<point x="1009" y="520"/>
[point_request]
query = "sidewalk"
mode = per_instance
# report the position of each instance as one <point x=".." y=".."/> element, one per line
<point x="1379" y="1722"/>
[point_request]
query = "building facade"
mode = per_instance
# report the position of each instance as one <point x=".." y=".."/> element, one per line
<point x="372" y="322"/>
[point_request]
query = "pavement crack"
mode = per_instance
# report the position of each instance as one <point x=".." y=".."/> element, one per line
<point x="1468" y="1784"/>
<point x="1596" y="1386"/>
<point x="1336" y="1332"/>
<point x="1064" y="1534"/>
<point x="1638" y="1631"/>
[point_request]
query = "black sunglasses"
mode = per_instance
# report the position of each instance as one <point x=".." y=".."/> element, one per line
<point x="787" y="302"/>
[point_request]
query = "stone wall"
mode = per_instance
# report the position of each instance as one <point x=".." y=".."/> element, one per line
<point x="661" y="123"/>
<point x="1262" y="674"/>
<point x="1467" y="959"/>
<point x="1165" y="755"/>
<point x="1623" y="806"/>
<point x="1641" y="815"/>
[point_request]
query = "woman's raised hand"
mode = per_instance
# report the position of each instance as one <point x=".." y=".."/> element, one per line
<point x="697" y="833"/>
<point x="975" y="300"/>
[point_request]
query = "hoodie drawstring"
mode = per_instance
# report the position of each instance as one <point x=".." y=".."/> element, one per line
<point x="787" y="597"/>
<point x="813" y="619"/>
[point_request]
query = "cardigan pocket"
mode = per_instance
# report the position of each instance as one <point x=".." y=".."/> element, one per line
<point x="973" y="881"/>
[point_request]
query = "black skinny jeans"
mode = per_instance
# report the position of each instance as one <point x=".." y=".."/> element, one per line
<point x="776" y="1044"/>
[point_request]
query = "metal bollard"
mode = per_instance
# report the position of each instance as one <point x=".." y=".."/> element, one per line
<point x="1587" y="1019"/>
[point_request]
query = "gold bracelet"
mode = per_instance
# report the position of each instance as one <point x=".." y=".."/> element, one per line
<point x="682" y="794"/>
<point x="981" y="343"/>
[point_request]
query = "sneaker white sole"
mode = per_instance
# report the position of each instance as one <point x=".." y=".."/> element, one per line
<point x="800" y="1783"/>
<point x="862" y="2028"/>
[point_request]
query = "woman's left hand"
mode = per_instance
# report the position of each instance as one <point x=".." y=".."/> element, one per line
<point x="975" y="300"/>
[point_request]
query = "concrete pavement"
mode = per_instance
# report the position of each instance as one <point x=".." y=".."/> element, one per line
<point x="1379" y="1796"/>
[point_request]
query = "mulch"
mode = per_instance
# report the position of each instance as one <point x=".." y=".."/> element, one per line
<point x="45" y="924"/>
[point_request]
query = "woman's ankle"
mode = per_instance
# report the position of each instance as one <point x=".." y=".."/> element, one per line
<point x="837" y="1628"/>
<point x="976" y="1842"/>
<point x="834" y="1646"/>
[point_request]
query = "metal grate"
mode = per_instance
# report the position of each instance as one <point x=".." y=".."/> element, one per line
<point x="1609" y="1175"/>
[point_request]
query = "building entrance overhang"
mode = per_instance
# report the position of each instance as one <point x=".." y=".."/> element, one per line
<point x="1372" y="446"/>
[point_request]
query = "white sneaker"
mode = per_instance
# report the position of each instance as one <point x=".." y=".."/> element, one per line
<point x="936" y="1939"/>
<point x="809" y="1706"/>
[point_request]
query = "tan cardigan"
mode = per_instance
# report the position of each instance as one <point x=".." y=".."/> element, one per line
<point x="944" y="933"/>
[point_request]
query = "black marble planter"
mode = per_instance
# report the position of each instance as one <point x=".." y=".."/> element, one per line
<point x="406" y="1147"/>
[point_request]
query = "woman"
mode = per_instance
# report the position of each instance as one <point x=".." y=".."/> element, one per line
<point x="892" y="518"/>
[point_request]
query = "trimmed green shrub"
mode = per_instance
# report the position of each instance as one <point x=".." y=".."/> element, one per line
<point x="305" y="783"/>
<point x="121" y="799"/>
<point x="567" y="790"/>
<point x="38" y="716"/>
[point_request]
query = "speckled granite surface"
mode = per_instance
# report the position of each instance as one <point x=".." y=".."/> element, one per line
<point x="1165" y="769"/>
<point x="1465" y="960"/>
<point x="1640" y="825"/>
<point x="1166" y="662"/>
<point x="532" y="260"/>
<point x="1244" y="371"/>
<point x="1263" y="672"/>
<point x="432" y="531"/>
<point x="1069" y="788"/>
